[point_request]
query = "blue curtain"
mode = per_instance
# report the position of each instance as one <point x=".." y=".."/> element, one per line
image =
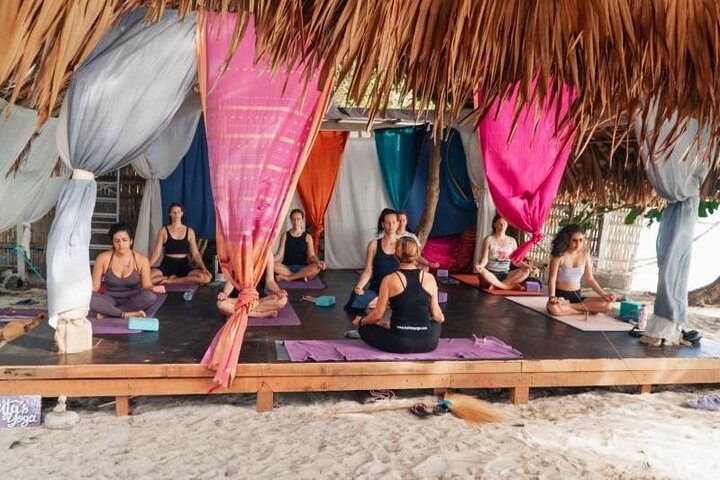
<point x="398" y="150"/>
<point x="189" y="185"/>
<point x="455" y="174"/>
<point x="449" y="218"/>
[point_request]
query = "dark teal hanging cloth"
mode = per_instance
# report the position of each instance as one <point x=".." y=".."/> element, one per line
<point x="189" y="185"/>
<point x="455" y="174"/>
<point x="398" y="151"/>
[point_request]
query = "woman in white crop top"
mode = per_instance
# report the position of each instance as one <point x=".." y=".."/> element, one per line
<point x="569" y="265"/>
<point x="494" y="267"/>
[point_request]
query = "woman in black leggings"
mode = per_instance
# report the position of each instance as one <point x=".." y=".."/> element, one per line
<point x="414" y="325"/>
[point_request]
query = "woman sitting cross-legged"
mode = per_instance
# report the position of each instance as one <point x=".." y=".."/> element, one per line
<point x="494" y="267"/>
<point x="296" y="258"/>
<point x="121" y="279"/>
<point x="267" y="306"/>
<point x="569" y="265"/>
<point x="414" y="325"/>
<point x="180" y="247"/>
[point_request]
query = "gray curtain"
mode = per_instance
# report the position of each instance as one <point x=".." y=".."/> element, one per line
<point x="119" y="101"/>
<point x="676" y="174"/>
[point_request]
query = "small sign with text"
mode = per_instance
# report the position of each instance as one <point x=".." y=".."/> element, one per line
<point x="20" y="411"/>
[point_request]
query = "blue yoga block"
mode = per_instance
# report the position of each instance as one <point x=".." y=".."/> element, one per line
<point x="325" y="301"/>
<point x="629" y="309"/>
<point x="442" y="297"/>
<point x="533" y="286"/>
<point x="147" y="324"/>
<point x="442" y="273"/>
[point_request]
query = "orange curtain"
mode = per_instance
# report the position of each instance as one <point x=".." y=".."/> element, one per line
<point x="317" y="180"/>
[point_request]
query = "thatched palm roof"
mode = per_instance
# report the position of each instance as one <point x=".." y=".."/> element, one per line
<point x="616" y="53"/>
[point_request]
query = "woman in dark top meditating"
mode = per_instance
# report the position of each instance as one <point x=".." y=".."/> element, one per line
<point x="296" y="258"/>
<point x="569" y="265"/>
<point x="121" y="279"/>
<point x="379" y="261"/>
<point x="414" y="325"/>
<point x="180" y="247"/>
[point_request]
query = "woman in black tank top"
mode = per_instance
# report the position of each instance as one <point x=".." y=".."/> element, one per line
<point x="180" y="246"/>
<point x="296" y="258"/>
<point x="414" y="325"/>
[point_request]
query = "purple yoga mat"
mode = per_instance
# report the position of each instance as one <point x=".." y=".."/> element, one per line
<point x="286" y="318"/>
<point x="118" y="326"/>
<point x="486" y="348"/>
<point x="180" y="287"/>
<point x="315" y="283"/>
<point x="21" y="312"/>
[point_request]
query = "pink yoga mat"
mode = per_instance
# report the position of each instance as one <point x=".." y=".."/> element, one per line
<point x="118" y="326"/>
<point x="315" y="283"/>
<point x="489" y="348"/>
<point x="286" y="318"/>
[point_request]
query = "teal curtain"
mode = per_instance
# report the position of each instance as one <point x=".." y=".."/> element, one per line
<point x="398" y="151"/>
<point x="456" y="179"/>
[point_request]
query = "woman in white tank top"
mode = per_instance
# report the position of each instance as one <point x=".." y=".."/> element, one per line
<point x="569" y="265"/>
<point x="494" y="267"/>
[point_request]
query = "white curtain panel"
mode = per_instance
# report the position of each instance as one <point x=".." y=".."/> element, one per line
<point x="157" y="163"/>
<point x="476" y="172"/>
<point x="28" y="193"/>
<point x="356" y="203"/>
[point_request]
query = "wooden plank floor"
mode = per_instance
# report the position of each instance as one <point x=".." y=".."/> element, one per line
<point x="166" y="362"/>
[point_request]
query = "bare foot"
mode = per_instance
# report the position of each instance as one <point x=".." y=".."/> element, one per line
<point x="135" y="313"/>
<point x="99" y="316"/>
<point x="282" y="278"/>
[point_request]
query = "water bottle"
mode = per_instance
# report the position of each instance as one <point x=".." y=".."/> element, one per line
<point x="642" y="319"/>
<point x="188" y="295"/>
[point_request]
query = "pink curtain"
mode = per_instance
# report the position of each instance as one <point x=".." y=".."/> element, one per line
<point x="259" y="129"/>
<point x="524" y="170"/>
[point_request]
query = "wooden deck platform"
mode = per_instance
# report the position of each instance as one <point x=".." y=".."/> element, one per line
<point x="166" y="362"/>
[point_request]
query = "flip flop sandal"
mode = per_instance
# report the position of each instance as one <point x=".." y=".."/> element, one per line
<point x="382" y="395"/>
<point x="441" y="409"/>
<point x="705" y="402"/>
<point x="421" y="410"/>
<point x="691" y="336"/>
<point x="636" y="332"/>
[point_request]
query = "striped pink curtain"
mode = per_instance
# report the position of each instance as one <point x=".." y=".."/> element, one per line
<point x="260" y="127"/>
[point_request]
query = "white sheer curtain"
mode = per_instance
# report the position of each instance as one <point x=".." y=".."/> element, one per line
<point x="358" y="198"/>
<point x="157" y="163"/>
<point x="476" y="172"/>
<point x="28" y="193"/>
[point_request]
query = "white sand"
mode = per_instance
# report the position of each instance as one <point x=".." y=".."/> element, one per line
<point x="562" y="433"/>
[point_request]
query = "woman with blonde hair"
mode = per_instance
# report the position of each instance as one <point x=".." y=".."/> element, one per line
<point x="414" y="325"/>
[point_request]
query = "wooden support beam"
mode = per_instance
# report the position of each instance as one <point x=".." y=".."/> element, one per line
<point x="645" y="389"/>
<point x="520" y="395"/>
<point x="438" y="392"/>
<point x="122" y="405"/>
<point x="264" y="401"/>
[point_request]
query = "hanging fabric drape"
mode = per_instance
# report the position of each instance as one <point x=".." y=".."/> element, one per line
<point x="159" y="161"/>
<point x="449" y="219"/>
<point x="676" y="174"/>
<point x="28" y="190"/>
<point x="317" y="179"/>
<point x="455" y="173"/>
<point x="189" y="185"/>
<point x="483" y="199"/>
<point x="119" y="101"/>
<point x="524" y="170"/>
<point x="260" y="130"/>
<point x="355" y="206"/>
<point x="398" y="150"/>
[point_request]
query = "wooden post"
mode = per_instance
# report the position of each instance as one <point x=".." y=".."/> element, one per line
<point x="520" y="395"/>
<point x="439" y="392"/>
<point x="433" y="191"/>
<point x="122" y="405"/>
<point x="645" y="389"/>
<point x="264" y="401"/>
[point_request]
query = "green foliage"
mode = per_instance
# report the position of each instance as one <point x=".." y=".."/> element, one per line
<point x="706" y="208"/>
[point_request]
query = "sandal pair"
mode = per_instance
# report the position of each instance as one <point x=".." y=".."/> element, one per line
<point x="423" y="411"/>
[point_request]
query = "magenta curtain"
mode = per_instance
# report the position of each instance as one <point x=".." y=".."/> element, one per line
<point x="524" y="170"/>
<point x="259" y="130"/>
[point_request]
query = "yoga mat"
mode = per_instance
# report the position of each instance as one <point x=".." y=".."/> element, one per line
<point x="472" y="280"/>
<point x="180" y="287"/>
<point x="118" y="326"/>
<point x="594" y="323"/>
<point x="286" y="318"/>
<point x="315" y="283"/>
<point x="21" y="312"/>
<point x="488" y="348"/>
